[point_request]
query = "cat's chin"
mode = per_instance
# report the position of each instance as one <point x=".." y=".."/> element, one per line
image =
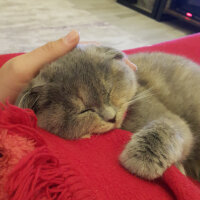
<point x="86" y="136"/>
<point x="104" y="129"/>
<point x="112" y="127"/>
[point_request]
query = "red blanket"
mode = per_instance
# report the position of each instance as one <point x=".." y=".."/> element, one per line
<point x="37" y="165"/>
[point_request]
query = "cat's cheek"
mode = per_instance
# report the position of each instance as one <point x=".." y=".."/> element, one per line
<point x="97" y="125"/>
<point x="119" y="123"/>
<point x="121" y="115"/>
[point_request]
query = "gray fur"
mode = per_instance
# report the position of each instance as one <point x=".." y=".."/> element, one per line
<point x="78" y="94"/>
<point x="89" y="90"/>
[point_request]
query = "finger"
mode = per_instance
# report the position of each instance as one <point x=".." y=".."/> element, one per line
<point x="130" y="64"/>
<point x="32" y="62"/>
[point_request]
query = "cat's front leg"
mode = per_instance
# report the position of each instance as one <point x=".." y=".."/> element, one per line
<point x="156" y="147"/>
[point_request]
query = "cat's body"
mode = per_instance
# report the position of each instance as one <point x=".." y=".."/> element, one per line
<point x="173" y="101"/>
<point x="90" y="89"/>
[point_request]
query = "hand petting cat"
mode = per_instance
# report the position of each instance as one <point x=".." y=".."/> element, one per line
<point x="17" y="72"/>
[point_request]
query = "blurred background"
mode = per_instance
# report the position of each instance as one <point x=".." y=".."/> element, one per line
<point x="123" y="24"/>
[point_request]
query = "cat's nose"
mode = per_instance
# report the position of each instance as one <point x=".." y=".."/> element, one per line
<point x="112" y="120"/>
<point x="108" y="114"/>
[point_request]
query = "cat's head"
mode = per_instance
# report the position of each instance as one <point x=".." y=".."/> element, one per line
<point x="86" y="91"/>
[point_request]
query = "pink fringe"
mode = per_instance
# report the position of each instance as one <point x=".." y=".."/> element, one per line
<point x="37" y="175"/>
<point x="12" y="148"/>
<point x="43" y="177"/>
<point x="22" y="121"/>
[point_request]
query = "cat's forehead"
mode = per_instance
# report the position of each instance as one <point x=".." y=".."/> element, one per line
<point x="96" y="53"/>
<point x="90" y="61"/>
<point x="88" y="72"/>
<point x="101" y="51"/>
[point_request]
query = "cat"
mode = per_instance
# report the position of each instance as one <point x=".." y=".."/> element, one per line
<point x="90" y="89"/>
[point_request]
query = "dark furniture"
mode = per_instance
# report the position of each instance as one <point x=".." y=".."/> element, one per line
<point x="150" y="11"/>
<point x="185" y="10"/>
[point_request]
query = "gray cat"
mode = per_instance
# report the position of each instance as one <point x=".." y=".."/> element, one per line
<point x="90" y="89"/>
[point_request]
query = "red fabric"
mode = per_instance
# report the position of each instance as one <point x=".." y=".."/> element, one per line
<point x="88" y="169"/>
<point x="188" y="46"/>
<point x="85" y="169"/>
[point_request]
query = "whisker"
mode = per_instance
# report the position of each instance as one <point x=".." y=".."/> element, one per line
<point x="143" y="95"/>
<point x="21" y="101"/>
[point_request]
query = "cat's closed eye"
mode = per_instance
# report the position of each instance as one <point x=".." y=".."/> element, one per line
<point x="87" y="110"/>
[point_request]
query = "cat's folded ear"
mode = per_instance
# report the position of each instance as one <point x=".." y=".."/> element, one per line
<point x="106" y="52"/>
<point x="116" y="54"/>
<point x="113" y="53"/>
<point x="29" y="98"/>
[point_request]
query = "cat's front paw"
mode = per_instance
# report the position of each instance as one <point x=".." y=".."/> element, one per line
<point x="145" y="158"/>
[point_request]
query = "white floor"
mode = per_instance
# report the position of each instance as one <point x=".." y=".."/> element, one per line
<point x="26" y="24"/>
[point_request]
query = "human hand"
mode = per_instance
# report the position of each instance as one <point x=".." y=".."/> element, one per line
<point x="17" y="72"/>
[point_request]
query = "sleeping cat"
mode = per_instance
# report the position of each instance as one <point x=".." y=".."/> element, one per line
<point x="90" y="89"/>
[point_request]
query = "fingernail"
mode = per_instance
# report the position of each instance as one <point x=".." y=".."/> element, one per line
<point x="71" y="37"/>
